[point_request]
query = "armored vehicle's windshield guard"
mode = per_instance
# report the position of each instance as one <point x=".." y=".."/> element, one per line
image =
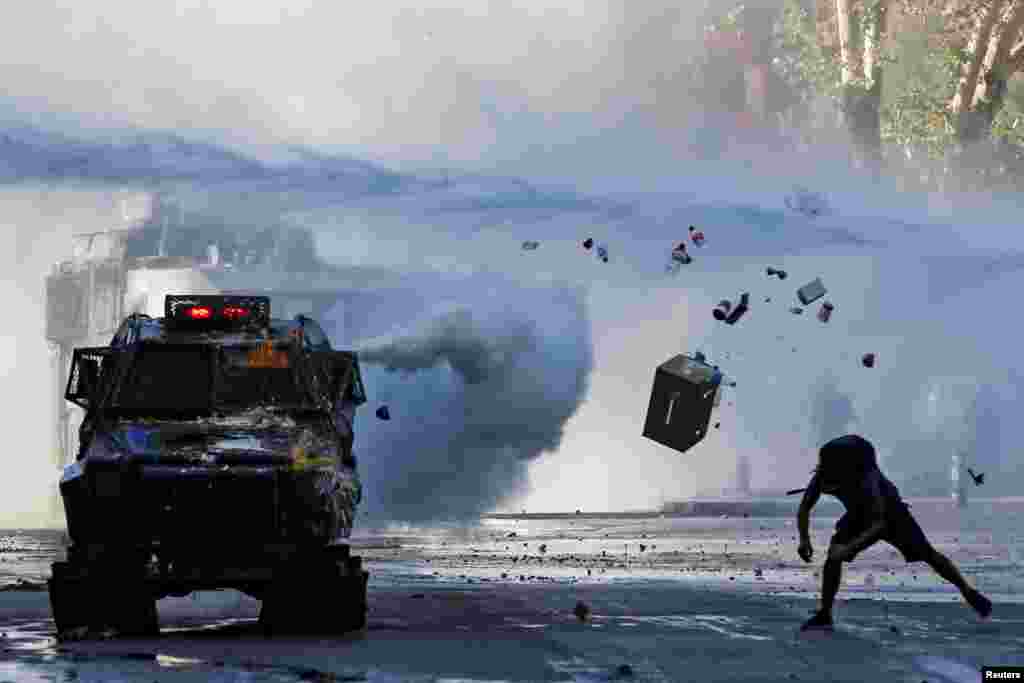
<point x="216" y="451"/>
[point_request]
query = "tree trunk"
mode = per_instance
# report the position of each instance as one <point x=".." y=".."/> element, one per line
<point x="849" y="61"/>
<point x="982" y="90"/>
<point x="978" y="48"/>
<point x="861" y="78"/>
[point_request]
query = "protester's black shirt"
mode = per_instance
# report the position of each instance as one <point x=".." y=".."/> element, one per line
<point x="858" y="496"/>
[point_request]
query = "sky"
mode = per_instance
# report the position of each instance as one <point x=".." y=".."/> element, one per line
<point x="472" y="87"/>
<point x="410" y="83"/>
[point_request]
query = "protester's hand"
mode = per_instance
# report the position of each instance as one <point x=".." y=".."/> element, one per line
<point x="839" y="552"/>
<point x="804" y="550"/>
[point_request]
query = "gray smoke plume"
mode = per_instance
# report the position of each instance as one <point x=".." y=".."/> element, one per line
<point x="456" y="339"/>
<point x="831" y="411"/>
<point x="476" y="392"/>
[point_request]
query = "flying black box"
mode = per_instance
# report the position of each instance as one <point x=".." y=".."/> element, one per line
<point x="681" y="403"/>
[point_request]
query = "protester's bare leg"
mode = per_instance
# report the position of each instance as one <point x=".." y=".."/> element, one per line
<point x="831" y="575"/>
<point x="945" y="568"/>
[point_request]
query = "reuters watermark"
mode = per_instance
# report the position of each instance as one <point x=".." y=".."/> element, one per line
<point x="1002" y="673"/>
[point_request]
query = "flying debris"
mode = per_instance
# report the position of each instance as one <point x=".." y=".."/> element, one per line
<point x="740" y="309"/>
<point x="721" y="311"/>
<point x="796" y="310"/>
<point x="602" y="252"/>
<point x="811" y="292"/>
<point x="781" y="274"/>
<point x="588" y="243"/>
<point x="979" y="479"/>
<point x="383" y="413"/>
<point x="682" y="399"/>
<point x="806" y="202"/>
<point x="825" y="312"/>
<point x="530" y="245"/>
<point x="868" y="360"/>
<point x="697" y="236"/>
<point x="680" y="255"/>
<point x="678" y="258"/>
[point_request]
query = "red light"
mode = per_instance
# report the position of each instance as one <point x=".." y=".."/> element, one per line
<point x="200" y="312"/>
<point x="235" y="312"/>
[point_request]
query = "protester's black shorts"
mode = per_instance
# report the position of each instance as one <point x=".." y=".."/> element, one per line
<point x="902" y="532"/>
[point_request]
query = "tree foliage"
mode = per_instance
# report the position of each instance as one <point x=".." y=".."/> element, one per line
<point x="949" y="70"/>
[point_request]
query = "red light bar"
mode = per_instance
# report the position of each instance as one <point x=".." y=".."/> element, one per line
<point x="235" y="312"/>
<point x="224" y="311"/>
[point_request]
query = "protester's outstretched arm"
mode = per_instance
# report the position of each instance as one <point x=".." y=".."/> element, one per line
<point x="803" y="518"/>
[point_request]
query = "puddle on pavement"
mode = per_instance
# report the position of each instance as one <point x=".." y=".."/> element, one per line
<point x="39" y="657"/>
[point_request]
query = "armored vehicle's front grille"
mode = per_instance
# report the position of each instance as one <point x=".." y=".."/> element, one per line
<point x="192" y="503"/>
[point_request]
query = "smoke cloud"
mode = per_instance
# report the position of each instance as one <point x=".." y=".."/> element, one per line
<point x="456" y="339"/>
<point x="497" y="375"/>
<point x="831" y="412"/>
<point x="476" y="392"/>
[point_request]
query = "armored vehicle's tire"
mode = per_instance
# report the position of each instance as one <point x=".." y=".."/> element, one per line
<point x="70" y="602"/>
<point x="327" y="596"/>
<point x="85" y="602"/>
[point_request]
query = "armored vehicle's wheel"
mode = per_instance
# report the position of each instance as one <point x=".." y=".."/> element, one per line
<point x="327" y="596"/>
<point x="92" y="600"/>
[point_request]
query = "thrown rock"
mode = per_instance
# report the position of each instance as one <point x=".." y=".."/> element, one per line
<point x="825" y="312"/>
<point x="697" y="236"/>
<point x="868" y="360"/>
<point x="680" y="255"/>
<point x="811" y="292"/>
<point x="624" y="671"/>
<point x="781" y="274"/>
<point x="740" y="310"/>
<point x="721" y="311"/>
<point x="383" y="413"/>
<point x="582" y="611"/>
<point x="588" y="243"/>
<point x="530" y="245"/>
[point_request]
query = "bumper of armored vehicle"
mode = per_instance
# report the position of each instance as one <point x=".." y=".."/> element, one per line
<point x="206" y="526"/>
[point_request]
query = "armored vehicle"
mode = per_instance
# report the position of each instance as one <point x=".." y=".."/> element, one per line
<point x="215" y="453"/>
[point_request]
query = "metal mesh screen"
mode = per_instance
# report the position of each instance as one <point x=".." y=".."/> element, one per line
<point x="167" y="379"/>
<point x="90" y="368"/>
<point x="334" y="375"/>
